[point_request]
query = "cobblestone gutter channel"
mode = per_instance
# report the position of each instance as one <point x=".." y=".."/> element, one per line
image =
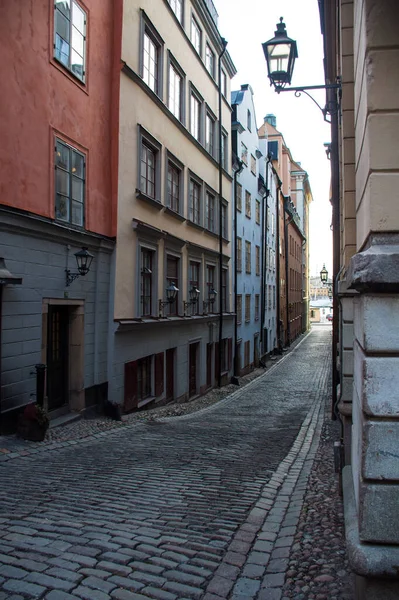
<point x="205" y="506"/>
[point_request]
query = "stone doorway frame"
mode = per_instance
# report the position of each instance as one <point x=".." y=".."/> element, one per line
<point x="76" y="401"/>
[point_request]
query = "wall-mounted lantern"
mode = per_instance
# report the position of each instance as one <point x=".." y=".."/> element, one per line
<point x="83" y="260"/>
<point x="193" y="294"/>
<point x="208" y="305"/>
<point x="171" y="293"/>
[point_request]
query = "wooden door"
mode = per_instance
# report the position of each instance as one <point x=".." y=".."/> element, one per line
<point x="57" y="357"/>
<point x="170" y="378"/>
<point x="192" y="368"/>
<point x="209" y="365"/>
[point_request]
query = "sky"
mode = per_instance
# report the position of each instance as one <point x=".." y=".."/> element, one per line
<point x="246" y="25"/>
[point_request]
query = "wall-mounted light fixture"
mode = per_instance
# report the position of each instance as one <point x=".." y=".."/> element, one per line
<point x="193" y="295"/>
<point x="83" y="260"/>
<point x="325" y="282"/>
<point x="280" y="54"/>
<point x="208" y="304"/>
<point x="171" y="293"/>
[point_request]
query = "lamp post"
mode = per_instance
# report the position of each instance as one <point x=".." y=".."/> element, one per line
<point x="211" y="299"/>
<point x="83" y="260"/>
<point x="171" y="293"/>
<point x="193" y="295"/>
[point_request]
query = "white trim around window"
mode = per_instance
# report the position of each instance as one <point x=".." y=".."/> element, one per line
<point x="149" y="167"/>
<point x="70" y="26"/>
<point x="151" y="55"/>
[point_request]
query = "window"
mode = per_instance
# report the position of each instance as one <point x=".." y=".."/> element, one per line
<point x="196" y="35"/>
<point x="195" y="116"/>
<point x="177" y="7"/>
<point x="224" y="221"/>
<point x="247" y="353"/>
<point x="151" y="57"/>
<point x="253" y="165"/>
<point x="249" y="120"/>
<point x="247" y="307"/>
<point x="144" y="377"/>
<point x="274" y="296"/>
<point x="257" y="211"/>
<point x="172" y="277"/>
<point x="210" y="285"/>
<point x="239" y="196"/>
<point x="70" y="36"/>
<point x="224" y="151"/>
<point x="223" y="83"/>
<point x="194" y="277"/>
<point x="224" y="290"/>
<point x="210" y="134"/>
<point x="239" y="308"/>
<point x="146" y="282"/>
<point x="173" y="190"/>
<point x="210" y="223"/>
<point x="210" y="60"/>
<point x="70" y="170"/>
<point x="195" y="202"/>
<point x="257" y="297"/>
<point x="244" y="153"/>
<point x="239" y="255"/>
<point x="269" y="296"/>
<point x="272" y="223"/>
<point x="147" y="171"/>
<point x="247" y="204"/>
<point x="257" y="259"/>
<point x="247" y="257"/>
<point x="175" y="94"/>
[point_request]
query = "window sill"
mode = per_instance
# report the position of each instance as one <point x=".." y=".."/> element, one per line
<point x="195" y="225"/>
<point x="175" y="214"/>
<point x="141" y="196"/>
<point x="70" y="74"/>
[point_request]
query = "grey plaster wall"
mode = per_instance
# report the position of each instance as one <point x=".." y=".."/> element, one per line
<point x="39" y="256"/>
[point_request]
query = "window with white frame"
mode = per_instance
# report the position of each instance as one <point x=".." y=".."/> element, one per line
<point x="239" y="255"/>
<point x="70" y="177"/>
<point x="196" y="35"/>
<point x="210" y="134"/>
<point x="210" y="60"/>
<point x="195" y="202"/>
<point x="239" y="196"/>
<point x="224" y="84"/>
<point x="151" y="57"/>
<point x="70" y="36"/>
<point x="176" y="91"/>
<point x="174" y="179"/>
<point x="244" y="153"/>
<point x="147" y="171"/>
<point x="257" y="212"/>
<point x="210" y="212"/>
<point x="247" y="257"/>
<point x="146" y="275"/>
<point x="177" y="7"/>
<point x="195" y="116"/>
<point x="247" y="204"/>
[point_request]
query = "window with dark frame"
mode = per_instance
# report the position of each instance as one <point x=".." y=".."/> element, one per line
<point x="239" y="196"/>
<point x="172" y="277"/>
<point x="224" y="221"/>
<point x="195" y="35"/>
<point x="253" y="165"/>
<point x="239" y="308"/>
<point x="150" y="62"/>
<point x="146" y="282"/>
<point x="239" y="255"/>
<point x="249" y="120"/>
<point x="247" y="204"/>
<point x="177" y="7"/>
<point x="70" y="36"/>
<point x="257" y="212"/>
<point x="175" y="93"/>
<point x="173" y="197"/>
<point x="247" y="257"/>
<point x="257" y="301"/>
<point x="194" y="282"/>
<point x="244" y="153"/>
<point x="195" y="117"/>
<point x="209" y="134"/>
<point x="210" y="285"/>
<point x="257" y="260"/>
<point x="224" y="151"/>
<point x="224" y="290"/>
<point x="70" y="177"/>
<point x="247" y="307"/>
<point x="195" y="202"/>
<point x="144" y="378"/>
<point x="210" y="221"/>
<point x="147" y="169"/>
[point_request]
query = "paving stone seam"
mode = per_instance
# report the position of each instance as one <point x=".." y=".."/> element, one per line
<point x="299" y="460"/>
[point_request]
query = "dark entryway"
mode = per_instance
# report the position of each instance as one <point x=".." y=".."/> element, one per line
<point x="209" y="348"/>
<point x="192" y="389"/>
<point x="57" y="357"/>
<point x="170" y="378"/>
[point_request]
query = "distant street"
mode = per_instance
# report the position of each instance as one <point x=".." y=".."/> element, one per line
<point x="167" y="509"/>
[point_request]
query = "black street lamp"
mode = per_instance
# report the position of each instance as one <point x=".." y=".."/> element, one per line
<point x="211" y="299"/>
<point x="171" y="293"/>
<point x="83" y="260"/>
<point x="280" y="53"/>
<point x="324" y="275"/>
<point x="193" y="295"/>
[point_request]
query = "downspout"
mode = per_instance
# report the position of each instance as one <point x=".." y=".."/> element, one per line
<point x="264" y="255"/>
<point x="224" y="45"/>
<point x="236" y="172"/>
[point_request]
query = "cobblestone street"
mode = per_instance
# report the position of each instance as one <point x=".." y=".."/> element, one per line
<point x="204" y="506"/>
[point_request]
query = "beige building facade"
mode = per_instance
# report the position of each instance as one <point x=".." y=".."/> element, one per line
<point x="367" y="272"/>
<point x="172" y="233"/>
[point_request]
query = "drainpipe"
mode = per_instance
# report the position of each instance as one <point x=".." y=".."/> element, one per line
<point x="264" y="255"/>
<point x="236" y="172"/>
<point x="336" y="253"/>
<point x="224" y="45"/>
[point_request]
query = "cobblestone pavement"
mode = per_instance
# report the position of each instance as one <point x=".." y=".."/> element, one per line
<point x="204" y="506"/>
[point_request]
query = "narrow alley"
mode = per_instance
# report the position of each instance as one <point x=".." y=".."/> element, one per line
<point x="201" y="506"/>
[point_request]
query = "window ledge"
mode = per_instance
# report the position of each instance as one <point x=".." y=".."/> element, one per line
<point x="212" y="233"/>
<point x="195" y="225"/>
<point x="175" y="214"/>
<point x="152" y="201"/>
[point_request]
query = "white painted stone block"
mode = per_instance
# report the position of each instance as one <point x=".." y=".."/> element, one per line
<point x="381" y="451"/>
<point x="377" y="323"/>
<point x="347" y="335"/>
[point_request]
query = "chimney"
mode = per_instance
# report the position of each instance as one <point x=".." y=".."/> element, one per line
<point x="271" y="119"/>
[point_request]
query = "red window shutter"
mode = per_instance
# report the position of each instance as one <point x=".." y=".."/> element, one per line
<point x="159" y="358"/>
<point x="130" y="397"/>
<point x="216" y="361"/>
<point x="230" y="352"/>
